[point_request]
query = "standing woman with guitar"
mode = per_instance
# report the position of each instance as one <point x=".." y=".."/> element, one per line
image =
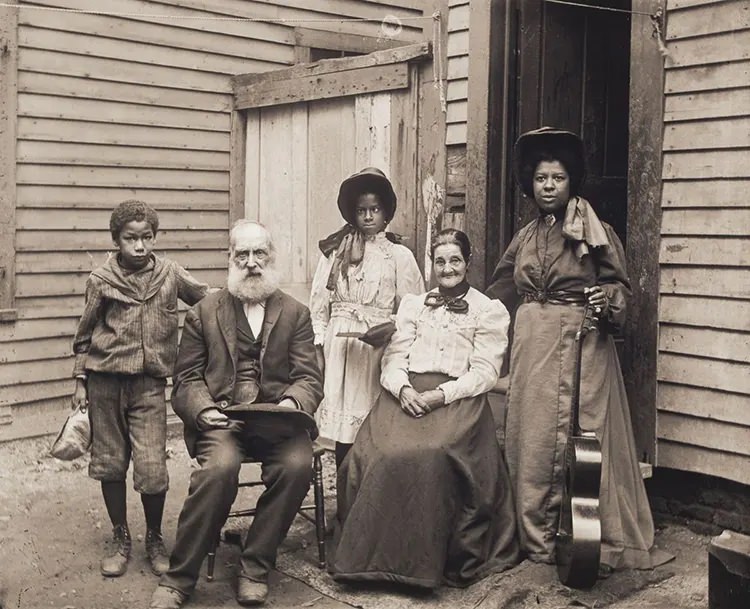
<point x="554" y="266"/>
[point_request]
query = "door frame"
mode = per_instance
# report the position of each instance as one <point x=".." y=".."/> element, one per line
<point x="492" y="210"/>
<point x="488" y="219"/>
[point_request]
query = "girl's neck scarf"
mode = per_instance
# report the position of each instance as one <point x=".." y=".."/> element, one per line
<point x="349" y="245"/>
<point x="582" y="225"/>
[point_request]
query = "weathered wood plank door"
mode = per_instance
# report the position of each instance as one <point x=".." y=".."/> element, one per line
<point x="297" y="154"/>
<point x="573" y="74"/>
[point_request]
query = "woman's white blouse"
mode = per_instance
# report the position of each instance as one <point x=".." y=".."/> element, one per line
<point x="468" y="346"/>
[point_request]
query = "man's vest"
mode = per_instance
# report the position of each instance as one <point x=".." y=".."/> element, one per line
<point x="247" y="381"/>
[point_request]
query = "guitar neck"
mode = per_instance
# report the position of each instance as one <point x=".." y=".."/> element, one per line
<point x="575" y="400"/>
<point x="588" y="323"/>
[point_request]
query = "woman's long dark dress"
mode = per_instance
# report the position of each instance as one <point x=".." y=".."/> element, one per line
<point x="542" y="264"/>
<point x="426" y="501"/>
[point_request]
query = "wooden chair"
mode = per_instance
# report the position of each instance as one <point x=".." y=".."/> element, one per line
<point x="318" y="519"/>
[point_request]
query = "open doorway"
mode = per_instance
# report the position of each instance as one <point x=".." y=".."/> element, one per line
<point x="572" y="71"/>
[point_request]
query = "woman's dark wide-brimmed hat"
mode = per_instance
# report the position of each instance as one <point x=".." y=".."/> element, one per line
<point x="565" y="146"/>
<point x="368" y="180"/>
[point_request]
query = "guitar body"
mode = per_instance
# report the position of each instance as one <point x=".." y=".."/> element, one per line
<point x="578" y="541"/>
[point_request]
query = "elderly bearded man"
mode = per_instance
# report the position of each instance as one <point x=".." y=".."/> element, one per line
<point x="249" y="342"/>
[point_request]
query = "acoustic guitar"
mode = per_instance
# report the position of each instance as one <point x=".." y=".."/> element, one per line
<point x="578" y="539"/>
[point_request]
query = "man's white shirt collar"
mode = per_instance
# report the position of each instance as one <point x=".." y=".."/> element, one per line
<point x="255" y="313"/>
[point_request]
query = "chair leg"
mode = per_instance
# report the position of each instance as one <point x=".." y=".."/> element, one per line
<point x="320" y="513"/>
<point x="212" y="558"/>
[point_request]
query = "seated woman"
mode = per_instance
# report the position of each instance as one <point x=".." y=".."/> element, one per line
<point x="424" y="495"/>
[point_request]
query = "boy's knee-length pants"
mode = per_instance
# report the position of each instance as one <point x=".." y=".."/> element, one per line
<point x="128" y="418"/>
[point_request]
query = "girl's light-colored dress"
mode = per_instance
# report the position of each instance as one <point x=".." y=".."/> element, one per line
<point x="367" y="296"/>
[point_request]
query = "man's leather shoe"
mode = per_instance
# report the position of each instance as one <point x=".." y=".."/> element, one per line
<point x="250" y="592"/>
<point x="116" y="564"/>
<point x="167" y="598"/>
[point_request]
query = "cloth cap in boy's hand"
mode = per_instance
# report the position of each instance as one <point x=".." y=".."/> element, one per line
<point x="74" y="439"/>
<point x="379" y="335"/>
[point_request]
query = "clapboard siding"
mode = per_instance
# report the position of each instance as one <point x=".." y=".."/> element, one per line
<point x="102" y="155"/>
<point x="72" y="262"/>
<point x="705" y="193"/>
<point x="704" y="308"/>
<point x="716" y="222"/>
<point x="704" y="460"/>
<point x="728" y="75"/>
<point x="707" y="104"/>
<point x="716" y="134"/>
<point x="457" y="70"/>
<point x="705" y="19"/>
<point x="727" y="345"/>
<point x="152" y="136"/>
<point x="704" y="311"/>
<point x="41" y="218"/>
<point x="131" y="106"/>
<point x="705" y="251"/>
<point x="88" y="88"/>
<point x="75" y="197"/>
<point x="705" y="403"/>
<point x="733" y="45"/>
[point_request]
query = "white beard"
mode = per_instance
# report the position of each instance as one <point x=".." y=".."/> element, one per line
<point x="252" y="289"/>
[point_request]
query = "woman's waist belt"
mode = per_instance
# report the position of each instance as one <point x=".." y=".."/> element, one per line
<point x="364" y="313"/>
<point x="557" y="297"/>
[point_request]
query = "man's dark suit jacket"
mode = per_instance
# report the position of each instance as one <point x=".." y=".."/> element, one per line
<point x="204" y="374"/>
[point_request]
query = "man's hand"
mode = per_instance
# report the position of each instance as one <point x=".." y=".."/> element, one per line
<point x="288" y="403"/>
<point x="80" y="396"/>
<point x="213" y="418"/>
<point x="412" y="402"/>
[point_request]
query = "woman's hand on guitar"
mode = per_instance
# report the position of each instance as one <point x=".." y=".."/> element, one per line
<point x="598" y="299"/>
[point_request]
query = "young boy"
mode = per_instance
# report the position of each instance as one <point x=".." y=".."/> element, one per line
<point x="125" y="348"/>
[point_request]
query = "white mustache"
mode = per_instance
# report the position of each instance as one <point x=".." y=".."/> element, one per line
<point x="252" y="286"/>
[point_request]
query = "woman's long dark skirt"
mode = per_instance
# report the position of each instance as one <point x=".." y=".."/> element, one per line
<point x="425" y="501"/>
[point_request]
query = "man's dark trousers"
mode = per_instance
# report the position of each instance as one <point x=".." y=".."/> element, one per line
<point x="286" y="472"/>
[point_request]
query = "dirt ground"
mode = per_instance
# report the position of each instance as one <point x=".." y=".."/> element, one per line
<point x="54" y="529"/>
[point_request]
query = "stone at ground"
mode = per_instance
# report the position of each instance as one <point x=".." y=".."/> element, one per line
<point x="54" y="529"/>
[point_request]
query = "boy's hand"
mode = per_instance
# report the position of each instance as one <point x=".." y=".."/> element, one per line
<point x="80" y="396"/>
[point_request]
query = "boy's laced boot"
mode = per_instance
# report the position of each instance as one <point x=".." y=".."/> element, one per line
<point x="116" y="564"/>
<point x="156" y="552"/>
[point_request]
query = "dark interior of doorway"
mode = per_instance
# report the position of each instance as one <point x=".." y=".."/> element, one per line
<point x="572" y="68"/>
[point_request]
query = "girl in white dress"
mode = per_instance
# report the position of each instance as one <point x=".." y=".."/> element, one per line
<point x="359" y="282"/>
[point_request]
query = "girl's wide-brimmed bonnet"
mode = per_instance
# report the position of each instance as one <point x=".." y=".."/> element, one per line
<point x="368" y="180"/>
